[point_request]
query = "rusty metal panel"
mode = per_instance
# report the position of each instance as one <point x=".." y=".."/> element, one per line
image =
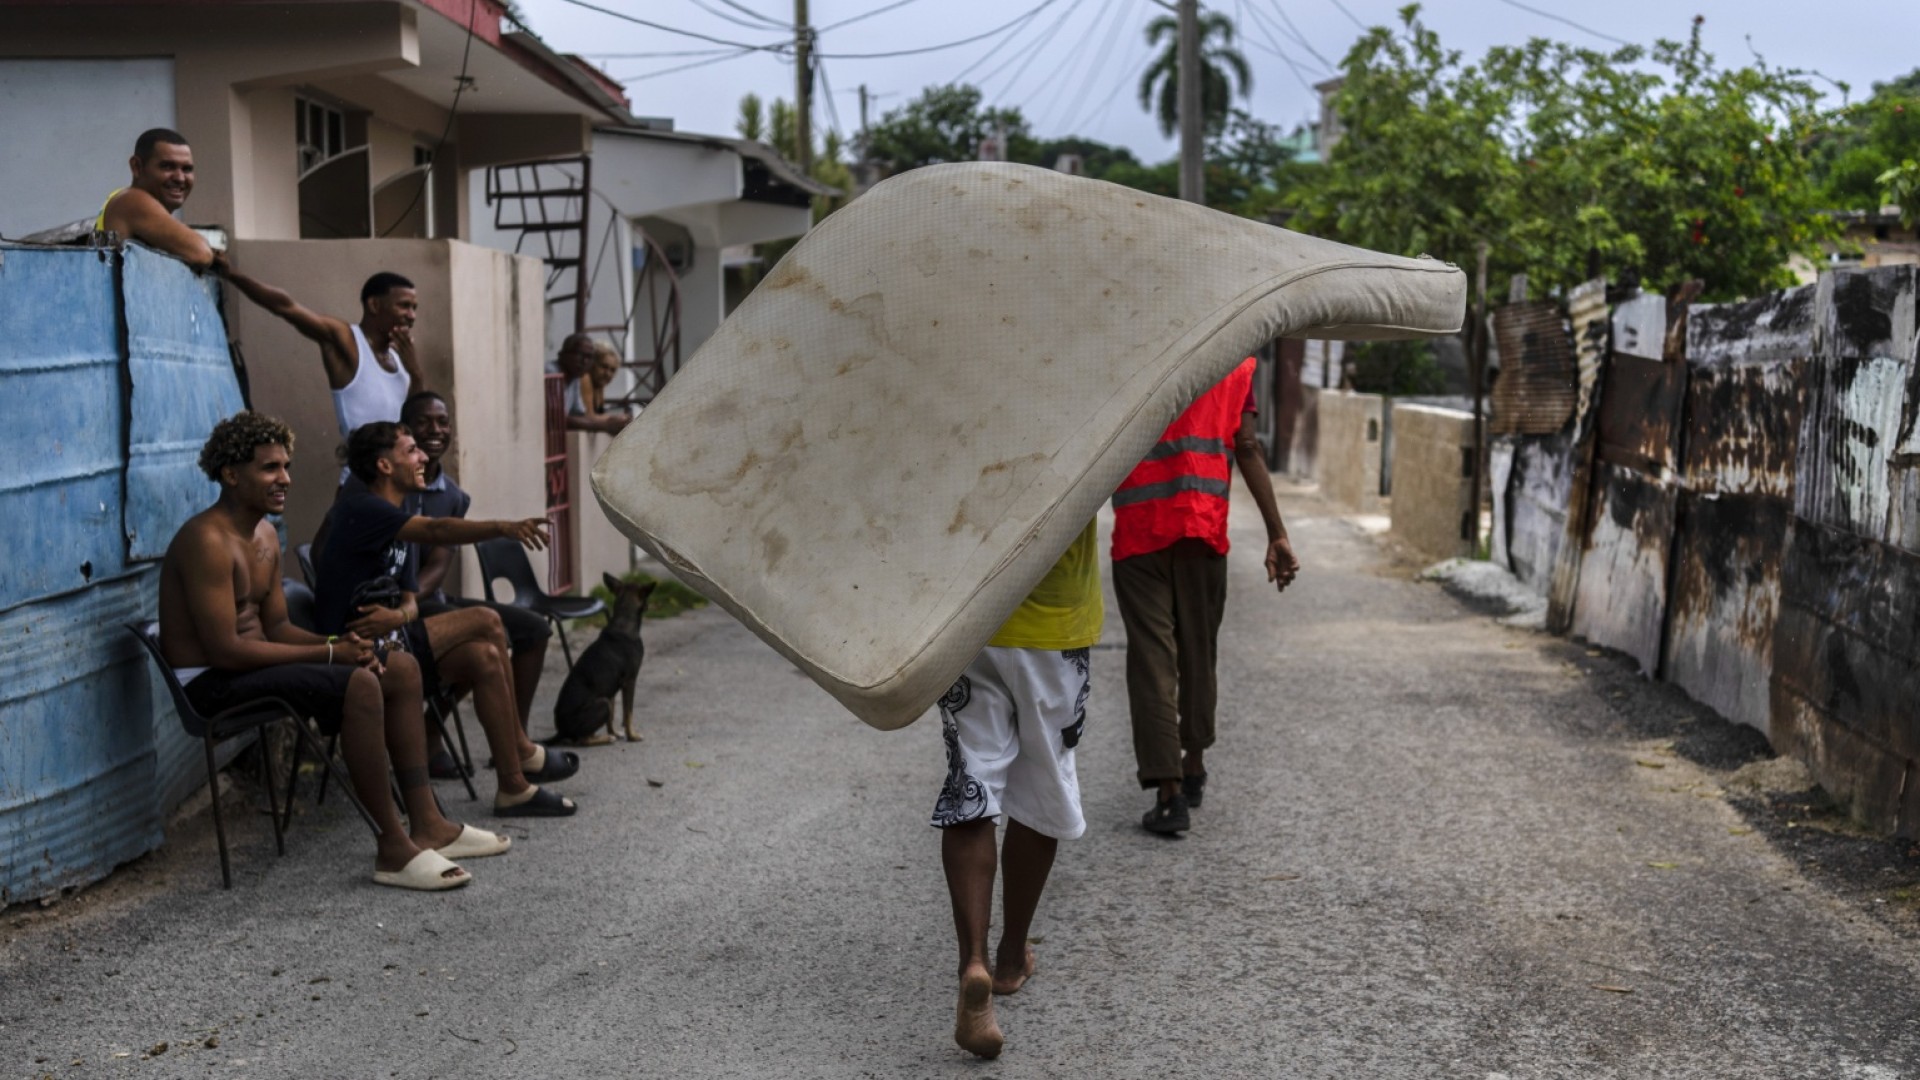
<point x="1621" y="598"/>
<point x="1846" y="671"/>
<point x="1533" y="481"/>
<point x="1850" y="464"/>
<point x="183" y="383"/>
<point x="1640" y="413"/>
<point x="1592" y="323"/>
<point x="1778" y="326"/>
<point x="1539" y="379"/>
<point x="1725" y="601"/>
<point x="60" y="490"/>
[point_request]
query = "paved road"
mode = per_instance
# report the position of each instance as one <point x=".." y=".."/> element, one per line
<point x="1423" y="854"/>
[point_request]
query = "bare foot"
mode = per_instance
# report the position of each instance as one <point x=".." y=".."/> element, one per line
<point x="1007" y="980"/>
<point x="973" y="1024"/>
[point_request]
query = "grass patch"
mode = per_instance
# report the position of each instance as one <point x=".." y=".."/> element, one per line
<point x="670" y="598"/>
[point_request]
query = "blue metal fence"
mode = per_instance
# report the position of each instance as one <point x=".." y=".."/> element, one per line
<point x="112" y="369"/>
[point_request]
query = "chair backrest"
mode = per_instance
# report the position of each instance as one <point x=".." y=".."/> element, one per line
<point x="148" y="633"/>
<point x="304" y="553"/>
<point x="299" y="604"/>
<point x="503" y="557"/>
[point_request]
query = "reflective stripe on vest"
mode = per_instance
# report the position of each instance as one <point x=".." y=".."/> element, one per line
<point x="1179" y="489"/>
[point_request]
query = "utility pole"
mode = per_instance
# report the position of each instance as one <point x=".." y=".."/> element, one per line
<point x="803" y="88"/>
<point x="863" y="118"/>
<point x="1193" y="180"/>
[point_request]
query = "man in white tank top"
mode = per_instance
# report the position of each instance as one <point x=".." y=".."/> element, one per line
<point x="371" y="366"/>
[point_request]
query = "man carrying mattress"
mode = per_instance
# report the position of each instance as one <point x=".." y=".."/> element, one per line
<point x="1170" y="578"/>
<point x="1011" y="723"/>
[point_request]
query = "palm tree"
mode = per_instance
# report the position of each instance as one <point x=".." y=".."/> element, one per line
<point x="1215" y="62"/>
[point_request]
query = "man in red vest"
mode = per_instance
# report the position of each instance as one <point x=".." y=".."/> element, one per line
<point x="1170" y="577"/>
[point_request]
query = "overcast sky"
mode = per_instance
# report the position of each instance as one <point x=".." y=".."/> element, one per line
<point x="1074" y="67"/>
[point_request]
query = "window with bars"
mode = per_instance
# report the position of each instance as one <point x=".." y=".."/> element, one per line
<point x="319" y="130"/>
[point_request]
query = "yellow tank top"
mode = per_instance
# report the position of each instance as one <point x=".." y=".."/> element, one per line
<point x="100" y="219"/>
<point x="1065" y="610"/>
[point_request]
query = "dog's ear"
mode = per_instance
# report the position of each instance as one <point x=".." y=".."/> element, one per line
<point x="612" y="583"/>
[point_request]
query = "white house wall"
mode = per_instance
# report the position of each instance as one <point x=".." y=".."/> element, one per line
<point x="44" y="105"/>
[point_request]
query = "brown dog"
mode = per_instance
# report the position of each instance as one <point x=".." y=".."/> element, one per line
<point x="611" y="663"/>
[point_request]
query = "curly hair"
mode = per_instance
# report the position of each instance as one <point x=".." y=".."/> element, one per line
<point x="234" y="440"/>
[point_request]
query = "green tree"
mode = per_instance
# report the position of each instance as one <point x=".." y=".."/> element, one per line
<point x="752" y="123"/>
<point x="1161" y="80"/>
<point x="946" y="123"/>
<point x="1869" y="139"/>
<point x="1650" y="163"/>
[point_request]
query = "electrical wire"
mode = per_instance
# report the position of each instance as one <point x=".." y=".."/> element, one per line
<point x="1044" y="4"/>
<point x="1567" y="21"/>
<point x="734" y="54"/>
<point x="624" y="17"/>
<point x="882" y="10"/>
<point x="654" y="55"/>
<point x="1274" y="47"/>
<point x="1349" y="14"/>
<point x="745" y="10"/>
<point x="833" y="111"/>
<point x="433" y="156"/>
<point x="1281" y="11"/>
<point x="1020" y="23"/>
<point x="1268" y="28"/>
<point x="1068" y="74"/>
<point x="1099" y="66"/>
<point x="1027" y="56"/>
<point x="1127" y="78"/>
<point x="764" y="23"/>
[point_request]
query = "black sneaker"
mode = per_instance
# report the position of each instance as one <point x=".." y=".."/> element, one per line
<point x="1167" y="818"/>
<point x="1192" y="787"/>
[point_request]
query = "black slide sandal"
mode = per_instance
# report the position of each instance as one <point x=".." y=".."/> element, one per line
<point x="543" y="804"/>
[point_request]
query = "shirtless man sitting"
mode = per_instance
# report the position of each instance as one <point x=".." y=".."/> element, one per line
<point x="162" y="166"/>
<point x="224" y="629"/>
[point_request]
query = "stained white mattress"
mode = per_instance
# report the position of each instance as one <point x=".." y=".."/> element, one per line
<point x="890" y="442"/>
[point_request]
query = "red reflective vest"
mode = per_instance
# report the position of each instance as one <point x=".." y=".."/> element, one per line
<point x="1180" y="490"/>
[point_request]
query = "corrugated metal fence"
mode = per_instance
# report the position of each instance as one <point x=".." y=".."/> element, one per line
<point x="112" y="370"/>
<point x="1750" y="528"/>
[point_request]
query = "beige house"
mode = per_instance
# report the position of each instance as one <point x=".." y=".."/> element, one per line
<point x="335" y="139"/>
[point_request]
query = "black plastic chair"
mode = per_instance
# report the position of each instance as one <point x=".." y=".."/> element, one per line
<point x="503" y="557"/>
<point x="304" y="553"/>
<point x="239" y="720"/>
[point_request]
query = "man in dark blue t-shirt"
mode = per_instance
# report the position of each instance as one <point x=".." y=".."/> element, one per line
<point x="367" y="540"/>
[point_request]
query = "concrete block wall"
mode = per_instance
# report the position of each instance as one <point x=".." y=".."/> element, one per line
<point x="1432" y="488"/>
<point x="1347" y="462"/>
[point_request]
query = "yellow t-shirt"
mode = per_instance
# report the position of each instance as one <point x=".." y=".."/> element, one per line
<point x="1064" y="611"/>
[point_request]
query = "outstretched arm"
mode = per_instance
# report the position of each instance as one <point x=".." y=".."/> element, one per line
<point x="141" y="217"/>
<point x="1251" y="457"/>
<point x="532" y="532"/>
<point x="335" y="339"/>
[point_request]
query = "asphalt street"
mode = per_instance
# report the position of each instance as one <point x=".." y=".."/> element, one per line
<point x="1426" y="851"/>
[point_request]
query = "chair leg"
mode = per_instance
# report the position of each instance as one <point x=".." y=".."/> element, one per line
<point x="293" y="773"/>
<point x="328" y="769"/>
<point x="333" y="744"/>
<point x="273" y="797"/>
<point x="565" y="648"/>
<point x="438" y="721"/>
<point x="460" y="733"/>
<point x="219" y="826"/>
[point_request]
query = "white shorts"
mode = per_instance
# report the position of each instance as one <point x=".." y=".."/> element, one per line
<point x="1011" y="723"/>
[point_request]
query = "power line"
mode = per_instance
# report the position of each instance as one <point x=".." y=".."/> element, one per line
<point x="1349" y="14"/>
<point x="833" y="111"/>
<point x="927" y="49"/>
<point x="876" y="11"/>
<point x="1569" y="22"/>
<point x="1269" y="46"/>
<point x="745" y="10"/>
<point x="1067" y="74"/>
<point x="624" y="17"/>
<point x="996" y="47"/>
<point x="644" y="76"/>
<point x="1281" y="10"/>
<point x="1267" y="28"/>
<point x="1100" y="62"/>
<point x="1029" y="54"/>
<point x="654" y="55"/>
<point x="764" y="23"/>
<point x="1127" y="79"/>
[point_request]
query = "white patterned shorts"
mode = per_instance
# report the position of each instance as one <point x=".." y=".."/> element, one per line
<point x="1011" y="723"/>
